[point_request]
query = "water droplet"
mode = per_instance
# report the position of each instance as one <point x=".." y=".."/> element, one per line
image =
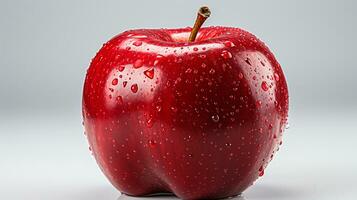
<point x="247" y="60"/>
<point x="115" y="81"/>
<point x="138" y="63"/>
<point x="240" y="75"/>
<point x="261" y="173"/>
<point x="276" y="76"/>
<point x="261" y="62"/>
<point x="287" y="126"/>
<point x="149" y="123"/>
<point x="134" y="88"/>
<point x="149" y="73"/>
<point x="195" y="48"/>
<point x="270" y="126"/>
<point x="228" y="44"/>
<point x="158" y="58"/>
<point x="226" y="54"/>
<point x="264" y="86"/>
<point x="137" y="43"/>
<point x="119" y="100"/>
<point x="228" y="144"/>
<point x="152" y="143"/>
<point x="174" y="109"/>
<point x="158" y="108"/>
<point x="258" y="103"/>
<point x="212" y="71"/>
<point x="215" y="118"/>
<point x="121" y="68"/>
<point x="203" y="65"/>
<point x="188" y="70"/>
<point x="203" y="56"/>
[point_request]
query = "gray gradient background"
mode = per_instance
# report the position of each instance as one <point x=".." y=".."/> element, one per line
<point x="45" y="49"/>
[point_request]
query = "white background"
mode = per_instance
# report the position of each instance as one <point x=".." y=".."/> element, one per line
<point x="46" y="47"/>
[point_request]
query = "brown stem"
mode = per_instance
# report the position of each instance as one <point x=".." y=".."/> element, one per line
<point x="202" y="14"/>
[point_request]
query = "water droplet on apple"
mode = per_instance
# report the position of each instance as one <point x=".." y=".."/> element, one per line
<point x="119" y="100"/>
<point x="115" y="81"/>
<point x="137" y="43"/>
<point x="240" y="75"/>
<point x="276" y="76"/>
<point x="264" y="86"/>
<point x="195" y="48"/>
<point x="121" y="68"/>
<point x="226" y="54"/>
<point x="287" y="126"/>
<point x="228" y="44"/>
<point x="158" y="108"/>
<point x="158" y="58"/>
<point x="134" y="88"/>
<point x="203" y="56"/>
<point x="150" y="122"/>
<point x="203" y="65"/>
<point x="247" y="60"/>
<point x="258" y="103"/>
<point x="174" y="109"/>
<point x="149" y="73"/>
<point x="152" y="143"/>
<point x="212" y="71"/>
<point x="262" y="63"/>
<point x="125" y="83"/>
<point x="215" y="118"/>
<point x="138" y="63"/>
<point x="261" y="173"/>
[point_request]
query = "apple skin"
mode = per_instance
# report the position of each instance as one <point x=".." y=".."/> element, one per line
<point x="201" y="120"/>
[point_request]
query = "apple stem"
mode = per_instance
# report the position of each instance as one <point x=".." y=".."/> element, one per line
<point x="202" y="14"/>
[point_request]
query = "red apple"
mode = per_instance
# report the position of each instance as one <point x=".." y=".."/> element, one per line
<point x="199" y="119"/>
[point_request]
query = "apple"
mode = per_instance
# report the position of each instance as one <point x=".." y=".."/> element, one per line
<point x="197" y="112"/>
